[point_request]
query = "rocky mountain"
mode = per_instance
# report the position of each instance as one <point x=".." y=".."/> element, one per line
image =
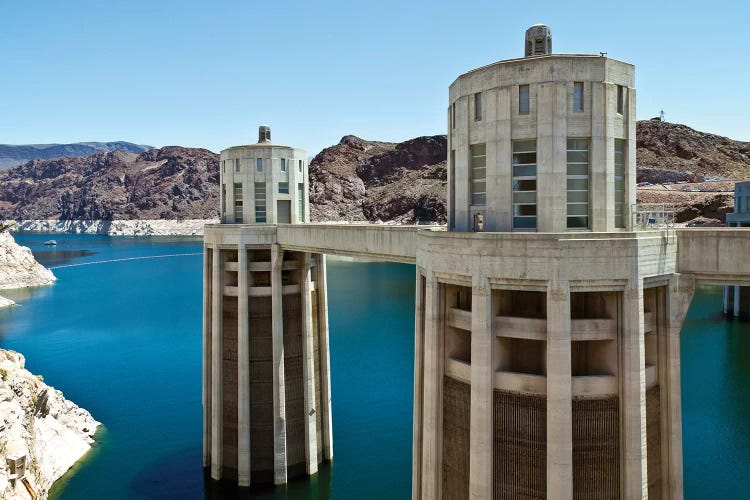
<point x="692" y="155"/>
<point x="354" y="180"/>
<point x="359" y="180"/>
<point x="12" y="155"/>
<point x="705" y="165"/>
<point x="365" y="180"/>
<point x="167" y="183"/>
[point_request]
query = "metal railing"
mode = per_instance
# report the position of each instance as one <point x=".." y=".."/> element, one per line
<point x="645" y="216"/>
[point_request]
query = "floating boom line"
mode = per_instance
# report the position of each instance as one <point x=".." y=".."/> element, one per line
<point x="126" y="259"/>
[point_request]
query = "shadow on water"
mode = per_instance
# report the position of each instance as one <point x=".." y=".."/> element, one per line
<point x="150" y="482"/>
<point x="57" y="257"/>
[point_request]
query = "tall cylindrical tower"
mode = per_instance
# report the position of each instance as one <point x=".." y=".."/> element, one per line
<point x="266" y="388"/>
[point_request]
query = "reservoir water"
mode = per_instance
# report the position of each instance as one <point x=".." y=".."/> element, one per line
<point x="122" y="338"/>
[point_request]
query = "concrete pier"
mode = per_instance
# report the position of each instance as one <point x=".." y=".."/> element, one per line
<point x="267" y="409"/>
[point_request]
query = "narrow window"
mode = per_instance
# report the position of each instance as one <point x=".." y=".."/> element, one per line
<point x="578" y="183"/>
<point x="283" y="188"/>
<point x="237" y="165"/>
<point x="259" y="164"/>
<point x="301" y="202"/>
<point x="620" y="99"/>
<point x="620" y="183"/>
<point x="478" y="107"/>
<point x="524" y="185"/>
<point x="260" y="202"/>
<point x="478" y="174"/>
<point x="283" y="164"/>
<point x="523" y="99"/>
<point x="453" y="115"/>
<point x="300" y="166"/>
<point x="578" y="96"/>
<point x="238" y="202"/>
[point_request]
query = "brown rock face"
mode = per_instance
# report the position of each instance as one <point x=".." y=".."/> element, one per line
<point x="689" y="153"/>
<point x="168" y="183"/>
<point x="359" y="180"/>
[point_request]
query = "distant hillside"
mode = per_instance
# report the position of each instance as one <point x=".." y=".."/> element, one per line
<point x="11" y="156"/>
<point x="167" y="183"/>
<point x="359" y="180"/>
<point x="354" y="180"/>
<point x="693" y="154"/>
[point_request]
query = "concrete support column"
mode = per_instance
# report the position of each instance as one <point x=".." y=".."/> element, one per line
<point x="419" y="313"/>
<point x="432" y="403"/>
<point x="217" y="365"/>
<point x="243" y="367"/>
<point x="552" y="158"/>
<point x="725" y="304"/>
<point x="736" y="310"/>
<point x="633" y="393"/>
<point x="481" y="438"/>
<point x="308" y="369"/>
<point x="325" y="359"/>
<point x="279" y="390"/>
<point x="206" y="387"/>
<point x="559" y="393"/>
<point x="680" y="294"/>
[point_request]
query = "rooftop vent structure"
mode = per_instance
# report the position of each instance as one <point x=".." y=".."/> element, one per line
<point x="264" y="134"/>
<point x="538" y="40"/>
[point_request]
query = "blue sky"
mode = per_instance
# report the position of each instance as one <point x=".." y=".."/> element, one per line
<point x="207" y="73"/>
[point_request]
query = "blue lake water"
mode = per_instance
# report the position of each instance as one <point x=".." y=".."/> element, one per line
<point x="123" y="339"/>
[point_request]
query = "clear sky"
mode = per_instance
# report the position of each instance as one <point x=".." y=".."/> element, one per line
<point x="208" y="73"/>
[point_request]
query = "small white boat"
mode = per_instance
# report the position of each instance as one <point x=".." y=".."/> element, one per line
<point x="50" y="242"/>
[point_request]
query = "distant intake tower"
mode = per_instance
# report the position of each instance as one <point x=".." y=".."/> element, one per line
<point x="264" y="183"/>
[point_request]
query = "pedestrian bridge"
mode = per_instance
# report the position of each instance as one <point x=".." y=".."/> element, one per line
<point x="716" y="256"/>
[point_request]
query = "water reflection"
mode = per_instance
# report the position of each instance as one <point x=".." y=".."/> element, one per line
<point x="57" y="257"/>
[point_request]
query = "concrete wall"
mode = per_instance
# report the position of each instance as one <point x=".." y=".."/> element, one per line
<point x="715" y="256"/>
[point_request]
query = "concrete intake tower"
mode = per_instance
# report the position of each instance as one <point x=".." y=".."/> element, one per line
<point x="547" y="314"/>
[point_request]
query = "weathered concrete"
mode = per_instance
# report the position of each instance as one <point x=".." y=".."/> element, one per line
<point x="559" y="393"/>
<point x="243" y="367"/>
<point x="308" y="369"/>
<point x="325" y="357"/>
<point x="279" y="387"/>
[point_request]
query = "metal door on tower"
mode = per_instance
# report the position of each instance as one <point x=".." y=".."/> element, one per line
<point x="283" y="212"/>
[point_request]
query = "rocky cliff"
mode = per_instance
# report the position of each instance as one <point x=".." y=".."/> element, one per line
<point x="19" y="268"/>
<point x="359" y="180"/>
<point x="167" y="183"/>
<point x="38" y="428"/>
<point x="12" y="155"/>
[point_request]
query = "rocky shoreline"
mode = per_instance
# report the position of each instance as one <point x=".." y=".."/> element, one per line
<point x="42" y="434"/>
<point x="19" y="268"/>
<point x="141" y="227"/>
